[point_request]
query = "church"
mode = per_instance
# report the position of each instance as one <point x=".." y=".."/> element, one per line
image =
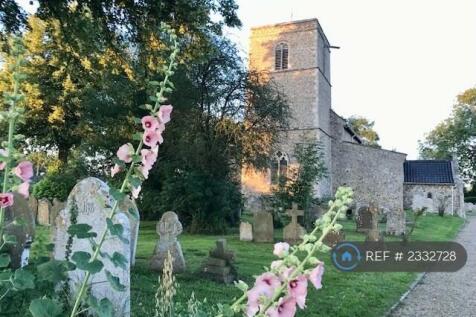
<point x="296" y="56"/>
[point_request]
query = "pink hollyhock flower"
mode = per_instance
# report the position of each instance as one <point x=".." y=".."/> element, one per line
<point x="316" y="276"/>
<point x="164" y="113"/>
<point x="297" y="289"/>
<point x="23" y="189"/>
<point x="150" y="138"/>
<point x="125" y="152"/>
<point x="24" y="170"/>
<point x="2" y="162"/>
<point x="149" y="157"/>
<point x="150" y="123"/>
<point x="281" y="249"/>
<point x="286" y="308"/>
<point x="144" y="171"/>
<point x="116" y="169"/>
<point x="265" y="285"/>
<point x="136" y="192"/>
<point x="6" y="200"/>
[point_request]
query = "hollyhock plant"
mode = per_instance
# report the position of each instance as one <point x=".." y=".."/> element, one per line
<point x="281" y="249"/>
<point x="286" y="308"/>
<point x="150" y="123"/>
<point x="23" y="189"/>
<point x="151" y="138"/>
<point x="3" y="162"/>
<point x="125" y="152"/>
<point x="164" y="113"/>
<point x="24" y="170"/>
<point x="115" y="169"/>
<point x="316" y="276"/>
<point x="149" y="157"/>
<point x="6" y="200"/>
<point x="297" y="289"/>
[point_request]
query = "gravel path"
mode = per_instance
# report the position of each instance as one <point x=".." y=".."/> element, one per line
<point x="446" y="294"/>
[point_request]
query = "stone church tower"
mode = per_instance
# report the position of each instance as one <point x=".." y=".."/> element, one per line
<point x="295" y="56"/>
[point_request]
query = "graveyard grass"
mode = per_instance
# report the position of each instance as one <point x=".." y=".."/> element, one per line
<point x="343" y="294"/>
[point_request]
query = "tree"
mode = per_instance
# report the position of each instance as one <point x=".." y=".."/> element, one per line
<point x="365" y="129"/>
<point x="456" y="137"/>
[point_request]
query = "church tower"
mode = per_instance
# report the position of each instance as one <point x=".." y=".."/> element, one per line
<point x="296" y="56"/>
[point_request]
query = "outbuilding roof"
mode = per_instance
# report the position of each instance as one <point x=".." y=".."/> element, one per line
<point x="428" y="172"/>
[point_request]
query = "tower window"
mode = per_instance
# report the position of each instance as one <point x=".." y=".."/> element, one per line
<point x="279" y="167"/>
<point x="281" y="56"/>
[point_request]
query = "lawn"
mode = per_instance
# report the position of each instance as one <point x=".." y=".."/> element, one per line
<point x="343" y="294"/>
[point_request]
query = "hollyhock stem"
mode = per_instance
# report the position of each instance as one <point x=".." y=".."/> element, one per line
<point x="124" y="185"/>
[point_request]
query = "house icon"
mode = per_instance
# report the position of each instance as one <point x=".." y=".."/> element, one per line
<point x="346" y="257"/>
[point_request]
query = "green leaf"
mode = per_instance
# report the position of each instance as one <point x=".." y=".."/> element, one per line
<point x="23" y="279"/>
<point x="82" y="260"/>
<point x="137" y="136"/>
<point x="102" y="309"/>
<point x="45" y="307"/>
<point x="115" y="282"/>
<point x="135" y="182"/>
<point x="134" y="213"/>
<point x="116" y="194"/>
<point x="81" y="231"/>
<point x="119" y="260"/>
<point x="4" y="260"/>
<point x="54" y="270"/>
<point x="154" y="83"/>
<point x="115" y="229"/>
<point x="9" y="239"/>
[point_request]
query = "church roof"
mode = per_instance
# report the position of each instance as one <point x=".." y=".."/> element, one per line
<point x="428" y="172"/>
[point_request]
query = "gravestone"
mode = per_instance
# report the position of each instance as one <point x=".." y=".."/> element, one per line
<point x="168" y="228"/>
<point x="23" y="229"/>
<point x="363" y="220"/>
<point x="129" y="205"/>
<point x="56" y="207"/>
<point x="89" y="203"/>
<point x="334" y="237"/>
<point x="246" y="231"/>
<point x="293" y="232"/>
<point x="44" y="209"/>
<point x="374" y="233"/>
<point x="33" y="203"/>
<point x="263" y="230"/>
<point x="219" y="265"/>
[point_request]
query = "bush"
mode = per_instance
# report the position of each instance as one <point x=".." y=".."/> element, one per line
<point x="470" y="199"/>
<point x="57" y="185"/>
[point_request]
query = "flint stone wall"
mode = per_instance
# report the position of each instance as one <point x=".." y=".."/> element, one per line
<point x="438" y="192"/>
<point x="375" y="175"/>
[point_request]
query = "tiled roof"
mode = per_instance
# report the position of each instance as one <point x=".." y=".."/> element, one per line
<point x="428" y="172"/>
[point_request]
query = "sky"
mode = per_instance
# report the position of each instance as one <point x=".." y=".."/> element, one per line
<point x="401" y="62"/>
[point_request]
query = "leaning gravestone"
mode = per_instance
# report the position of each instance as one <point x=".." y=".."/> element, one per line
<point x="334" y="237"/>
<point x="89" y="203"/>
<point x="363" y="220"/>
<point x="23" y="229"/>
<point x="246" y="231"/>
<point x="44" y="209"/>
<point x="219" y="265"/>
<point x="293" y="232"/>
<point x="168" y="228"/>
<point x="263" y="230"/>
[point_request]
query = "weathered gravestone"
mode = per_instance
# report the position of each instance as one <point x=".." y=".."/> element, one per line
<point x="219" y="265"/>
<point x="130" y="206"/>
<point x="89" y="203"/>
<point x="363" y="220"/>
<point x="168" y="228"/>
<point x="246" y="231"/>
<point x="334" y="237"/>
<point x="263" y="230"/>
<point x="374" y="234"/>
<point x="44" y="209"/>
<point x="19" y="221"/>
<point x="293" y="232"/>
<point x="56" y="207"/>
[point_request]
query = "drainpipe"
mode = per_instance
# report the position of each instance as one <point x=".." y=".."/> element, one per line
<point x="453" y="200"/>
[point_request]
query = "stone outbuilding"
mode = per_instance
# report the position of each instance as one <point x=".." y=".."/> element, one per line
<point x="434" y="184"/>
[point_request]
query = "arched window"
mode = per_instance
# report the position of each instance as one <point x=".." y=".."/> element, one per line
<point x="281" y="56"/>
<point x="279" y="166"/>
<point x="429" y="195"/>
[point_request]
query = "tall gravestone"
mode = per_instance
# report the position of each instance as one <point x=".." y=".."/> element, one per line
<point x="23" y="229"/>
<point x="263" y="230"/>
<point x="293" y="232"/>
<point x="246" y="231"/>
<point x="88" y="203"/>
<point x="44" y="209"/>
<point x="168" y="228"/>
<point x="363" y="219"/>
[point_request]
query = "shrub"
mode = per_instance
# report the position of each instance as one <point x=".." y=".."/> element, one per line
<point x="56" y="185"/>
<point x="470" y="200"/>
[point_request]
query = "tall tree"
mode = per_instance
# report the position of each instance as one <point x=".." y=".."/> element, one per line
<point x="456" y="137"/>
<point x="365" y="129"/>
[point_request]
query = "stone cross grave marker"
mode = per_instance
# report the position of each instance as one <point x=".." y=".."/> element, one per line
<point x="363" y="220"/>
<point x="294" y="231"/>
<point x="168" y="228"/>
<point x="246" y="231"/>
<point x="44" y="210"/>
<point x="24" y="231"/>
<point x="89" y="203"/>
<point x="219" y="265"/>
<point x="263" y="229"/>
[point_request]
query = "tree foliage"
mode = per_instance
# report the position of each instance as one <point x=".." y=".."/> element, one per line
<point x="365" y="129"/>
<point x="456" y="137"/>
